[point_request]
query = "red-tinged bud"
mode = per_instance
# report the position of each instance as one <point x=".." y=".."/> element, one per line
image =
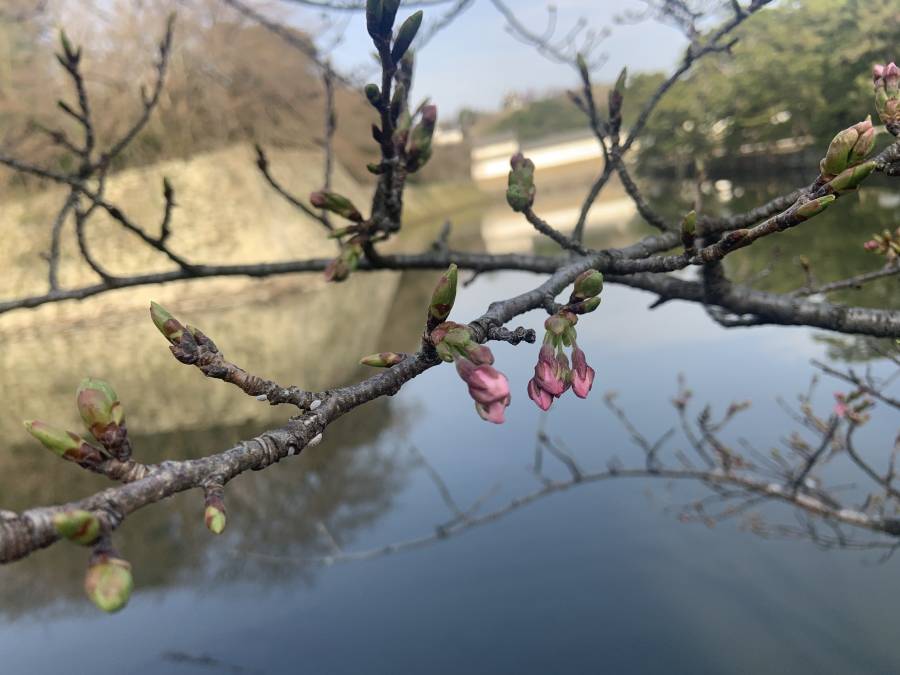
<point x="588" y="285"/>
<point x="840" y="150"/>
<point x="382" y="360"/>
<point x="79" y="526"/>
<point x="341" y="267"/>
<point x="167" y="324"/>
<point x="547" y="373"/>
<point x="419" y="151"/>
<point x="521" y="190"/>
<point x="582" y="374"/>
<point x="542" y="398"/>
<point x="871" y="245"/>
<point x="479" y="354"/>
<point x="214" y="518"/>
<point x="108" y="582"/>
<point x="865" y="142"/>
<point x="585" y="306"/>
<point x="104" y="416"/>
<point x="98" y="404"/>
<point x="814" y="207"/>
<point x="444" y="295"/>
<point x="335" y="203"/>
<point x="494" y="411"/>
<point x="488" y="387"/>
<point x="887" y="95"/>
<point x="65" y="444"/>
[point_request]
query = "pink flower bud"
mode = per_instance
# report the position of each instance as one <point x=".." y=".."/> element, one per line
<point x="871" y="245"/>
<point x="877" y="71"/>
<point x="542" y="398"/>
<point x="486" y="383"/>
<point x="547" y="374"/>
<point x="488" y="387"/>
<point x="840" y="407"/>
<point x="493" y="412"/>
<point x="582" y="374"/>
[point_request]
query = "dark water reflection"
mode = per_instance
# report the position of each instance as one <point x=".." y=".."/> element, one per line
<point x="600" y="579"/>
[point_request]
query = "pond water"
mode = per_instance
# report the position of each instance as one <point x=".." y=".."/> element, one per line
<point x="600" y="578"/>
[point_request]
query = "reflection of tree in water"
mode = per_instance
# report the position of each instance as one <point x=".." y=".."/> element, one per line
<point x="807" y="474"/>
<point x="345" y="484"/>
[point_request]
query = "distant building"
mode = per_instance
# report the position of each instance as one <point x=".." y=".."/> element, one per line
<point x="490" y="156"/>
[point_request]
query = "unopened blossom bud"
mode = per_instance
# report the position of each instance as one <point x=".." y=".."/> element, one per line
<point x="582" y="374"/>
<point x="871" y="245"/>
<point x="865" y="143"/>
<point x="104" y="416"/>
<point x="488" y="387"/>
<point x="521" y="190"/>
<point x="887" y="95"/>
<point x="214" y="512"/>
<point x="557" y="325"/>
<point x="336" y="203"/>
<point x="382" y="360"/>
<point x="585" y="306"/>
<point x="64" y="443"/>
<point x="405" y="35"/>
<point x="419" y="151"/>
<point x="388" y="15"/>
<point x="495" y="411"/>
<point x="588" y="284"/>
<point x="479" y="354"/>
<point x="814" y="207"/>
<point x="540" y="396"/>
<point x="444" y="295"/>
<point x="373" y="94"/>
<point x="374" y="13"/>
<point x="108" y="582"/>
<point x="548" y="374"/>
<point x="167" y="324"/>
<point x="214" y="518"/>
<point x="848" y="147"/>
<point x="79" y="526"/>
<point x="340" y="268"/>
<point x="449" y="349"/>
<point x="849" y="179"/>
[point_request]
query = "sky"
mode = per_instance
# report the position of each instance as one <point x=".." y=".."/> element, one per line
<point x="475" y="62"/>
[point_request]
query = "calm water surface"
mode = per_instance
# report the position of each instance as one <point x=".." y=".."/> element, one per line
<point x="600" y="579"/>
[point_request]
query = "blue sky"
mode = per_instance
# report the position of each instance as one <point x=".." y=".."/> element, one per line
<point x="474" y="63"/>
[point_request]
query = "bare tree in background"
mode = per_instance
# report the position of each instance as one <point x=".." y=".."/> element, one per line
<point x="403" y="137"/>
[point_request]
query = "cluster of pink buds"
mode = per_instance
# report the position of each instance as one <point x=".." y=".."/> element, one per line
<point x="453" y="343"/>
<point x="887" y="244"/>
<point x="488" y="387"/>
<point x="553" y="376"/>
<point x="852" y="407"/>
<point x="887" y="95"/>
